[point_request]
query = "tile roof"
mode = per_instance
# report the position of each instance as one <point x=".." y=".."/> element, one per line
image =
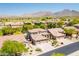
<point x="36" y="30"/>
<point x="38" y="37"/>
<point x="56" y="32"/>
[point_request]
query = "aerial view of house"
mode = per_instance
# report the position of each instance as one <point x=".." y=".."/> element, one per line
<point x="39" y="29"/>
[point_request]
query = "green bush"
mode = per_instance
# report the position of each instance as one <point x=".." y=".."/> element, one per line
<point x="54" y="42"/>
<point x="38" y="49"/>
<point x="27" y="27"/>
<point x="17" y="33"/>
<point x="58" y="54"/>
<point x="7" y="30"/>
<point x="60" y="23"/>
<point x="10" y="31"/>
<point x="50" y="25"/>
<point x="70" y="31"/>
<point x="39" y="25"/>
<point x="1" y="33"/>
<point x="13" y="48"/>
<point x="74" y="21"/>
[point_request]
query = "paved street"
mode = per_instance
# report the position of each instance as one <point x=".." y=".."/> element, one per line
<point x="68" y="49"/>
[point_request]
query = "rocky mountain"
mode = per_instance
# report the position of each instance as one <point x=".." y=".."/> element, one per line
<point x="67" y="12"/>
<point x="39" y="14"/>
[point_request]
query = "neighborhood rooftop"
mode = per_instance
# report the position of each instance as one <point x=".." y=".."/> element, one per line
<point x="55" y="32"/>
<point x="19" y="38"/>
<point x="38" y="37"/>
<point x="36" y="30"/>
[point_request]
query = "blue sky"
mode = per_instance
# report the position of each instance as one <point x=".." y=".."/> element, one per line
<point x="23" y="8"/>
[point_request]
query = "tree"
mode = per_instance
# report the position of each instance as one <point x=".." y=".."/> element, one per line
<point x="44" y="18"/>
<point x="7" y="30"/>
<point x="60" y="23"/>
<point x="52" y="25"/>
<point x="27" y="27"/>
<point x="1" y="33"/>
<point x="13" y="48"/>
<point x="40" y="25"/>
<point x="17" y="30"/>
<point x="69" y="31"/>
<point x="49" y="25"/>
<point x="43" y="26"/>
<point x="74" y="21"/>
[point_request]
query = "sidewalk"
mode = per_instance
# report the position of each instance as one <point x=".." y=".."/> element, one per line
<point x="76" y="53"/>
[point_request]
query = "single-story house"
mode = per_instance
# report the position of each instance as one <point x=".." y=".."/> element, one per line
<point x="14" y="24"/>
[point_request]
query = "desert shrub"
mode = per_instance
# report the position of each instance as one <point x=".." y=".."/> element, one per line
<point x="27" y="27"/>
<point x="54" y="42"/>
<point x="40" y="25"/>
<point x="17" y="33"/>
<point x="13" y="48"/>
<point x="69" y="31"/>
<point x="7" y="30"/>
<point x="1" y="33"/>
<point x="58" y="54"/>
<point x="10" y="31"/>
<point x="38" y="49"/>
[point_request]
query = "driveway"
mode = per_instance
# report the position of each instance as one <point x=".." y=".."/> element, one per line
<point x="68" y="49"/>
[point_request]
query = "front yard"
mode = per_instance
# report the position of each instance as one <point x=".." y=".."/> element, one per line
<point x="43" y="47"/>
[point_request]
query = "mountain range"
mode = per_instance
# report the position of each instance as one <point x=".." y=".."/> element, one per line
<point x="65" y="12"/>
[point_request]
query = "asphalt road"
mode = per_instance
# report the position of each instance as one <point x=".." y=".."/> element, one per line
<point x="65" y="49"/>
